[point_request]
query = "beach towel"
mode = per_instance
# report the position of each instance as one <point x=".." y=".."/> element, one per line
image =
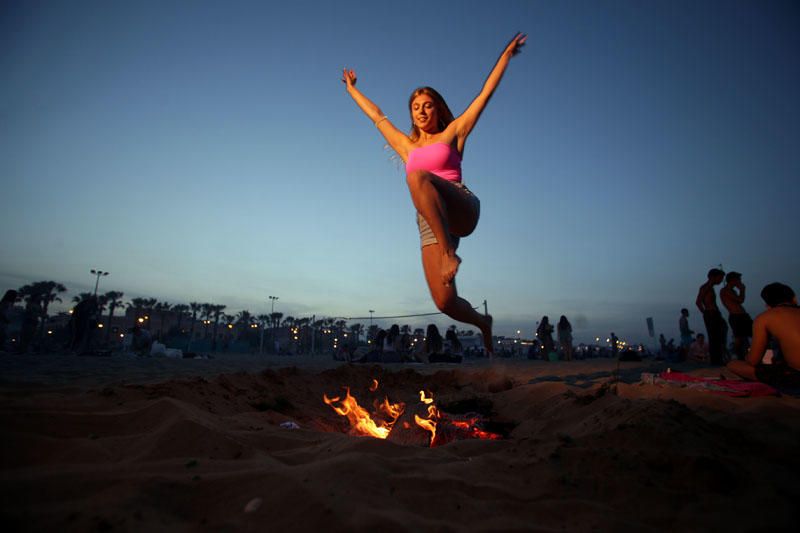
<point x="728" y="387"/>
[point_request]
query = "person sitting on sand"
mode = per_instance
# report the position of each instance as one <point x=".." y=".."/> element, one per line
<point x="698" y="350"/>
<point x="453" y="344"/>
<point x="781" y="321"/>
<point x="391" y="345"/>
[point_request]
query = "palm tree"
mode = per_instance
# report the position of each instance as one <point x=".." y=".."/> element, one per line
<point x="48" y="293"/>
<point x="196" y="308"/>
<point x="162" y="308"/>
<point x="405" y="329"/>
<point x="216" y="311"/>
<point x="137" y="304"/>
<point x="244" y="317"/>
<point x="243" y="321"/>
<point x="149" y="307"/>
<point x="180" y="312"/>
<point x="357" y="329"/>
<point x="206" y="313"/>
<point x="276" y="318"/>
<point x="113" y="298"/>
<point x="31" y="295"/>
<point x="82" y="297"/>
<point x="288" y="321"/>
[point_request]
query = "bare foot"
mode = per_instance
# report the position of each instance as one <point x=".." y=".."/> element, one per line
<point x="450" y="264"/>
<point x="486" y="332"/>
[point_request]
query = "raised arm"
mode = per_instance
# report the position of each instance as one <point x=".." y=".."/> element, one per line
<point x="398" y="140"/>
<point x="469" y="118"/>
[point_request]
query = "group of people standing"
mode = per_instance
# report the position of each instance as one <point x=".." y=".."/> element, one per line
<point x="544" y="334"/>
<point x="741" y="324"/>
<point x="774" y="356"/>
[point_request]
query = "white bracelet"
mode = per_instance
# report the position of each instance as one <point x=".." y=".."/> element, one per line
<point x="380" y="120"/>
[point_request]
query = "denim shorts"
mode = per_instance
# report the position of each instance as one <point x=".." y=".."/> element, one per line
<point x="426" y="235"/>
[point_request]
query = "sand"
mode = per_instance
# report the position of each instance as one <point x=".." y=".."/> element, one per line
<point x="186" y="449"/>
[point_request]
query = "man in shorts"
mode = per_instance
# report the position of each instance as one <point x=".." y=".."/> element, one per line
<point x="781" y="322"/>
<point x="715" y="325"/>
<point x="732" y="296"/>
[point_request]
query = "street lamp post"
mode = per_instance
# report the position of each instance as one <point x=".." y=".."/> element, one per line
<point x="370" y="324"/>
<point x="97" y="273"/>
<point x="273" y="298"/>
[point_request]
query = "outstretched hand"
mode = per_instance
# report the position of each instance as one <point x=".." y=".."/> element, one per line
<point x="349" y="78"/>
<point x="515" y="45"/>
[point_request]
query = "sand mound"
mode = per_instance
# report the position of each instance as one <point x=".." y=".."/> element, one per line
<point x="211" y="453"/>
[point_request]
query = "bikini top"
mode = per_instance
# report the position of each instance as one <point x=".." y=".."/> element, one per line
<point x="437" y="158"/>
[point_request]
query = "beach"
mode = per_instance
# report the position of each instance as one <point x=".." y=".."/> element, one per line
<point x="246" y="443"/>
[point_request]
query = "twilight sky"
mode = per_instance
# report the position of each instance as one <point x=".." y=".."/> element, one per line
<point x="207" y="151"/>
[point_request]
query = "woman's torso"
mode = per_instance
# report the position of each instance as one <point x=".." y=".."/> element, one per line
<point x="438" y="158"/>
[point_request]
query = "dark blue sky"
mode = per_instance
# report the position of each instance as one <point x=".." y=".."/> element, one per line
<point x="207" y="151"/>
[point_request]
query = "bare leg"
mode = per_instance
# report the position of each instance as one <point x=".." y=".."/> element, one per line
<point x="447" y="300"/>
<point x="447" y="209"/>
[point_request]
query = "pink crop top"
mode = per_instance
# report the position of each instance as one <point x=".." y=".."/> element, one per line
<point x="437" y="158"/>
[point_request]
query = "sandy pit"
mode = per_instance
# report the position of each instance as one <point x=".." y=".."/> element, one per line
<point x="209" y="453"/>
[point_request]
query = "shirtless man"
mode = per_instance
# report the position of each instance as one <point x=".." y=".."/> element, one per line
<point x="715" y="325"/>
<point x="780" y="321"/>
<point x="732" y="296"/>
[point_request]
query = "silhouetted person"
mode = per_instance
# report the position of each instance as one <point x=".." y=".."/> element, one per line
<point x="141" y="340"/>
<point x="715" y="325"/>
<point x="433" y="341"/>
<point x="84" y="322"/>
<point x="545" y="334"/>
<point x="781" y="322"/>
<point x="686" y="332"/>
<point x="614" y="347"/>
<point x="454" y="345"/>
<point x="30" y="318"/>
<point x="732" y="296"/>
<point x="698" y="350"/>
<point x="391" y="345"/>
<point x="6" y="304"/>
<point x="564" y="332"/>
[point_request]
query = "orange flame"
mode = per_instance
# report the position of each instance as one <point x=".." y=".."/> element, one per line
<point x="374" y="385"/>
<point x="361" y="423"/>
<point x="428" y="424"/>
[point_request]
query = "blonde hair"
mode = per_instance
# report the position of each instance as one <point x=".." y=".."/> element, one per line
<point x="445" y="115"/>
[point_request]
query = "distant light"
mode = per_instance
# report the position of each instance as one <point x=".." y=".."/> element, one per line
<point x="121" y="335"/>
<point x="49" y="332"/>
<point x="70" y="311"/>
<point x="141" y="320"/>
<point x="230" y="326"/>
<point x="99" y="325"/>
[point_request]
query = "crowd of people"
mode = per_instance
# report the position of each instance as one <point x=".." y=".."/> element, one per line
<point x="393" y="346"/>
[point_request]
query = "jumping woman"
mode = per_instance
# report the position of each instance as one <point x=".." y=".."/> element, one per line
<point x="446" y="209"/>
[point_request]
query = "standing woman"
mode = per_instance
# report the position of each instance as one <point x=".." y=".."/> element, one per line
<point x="564" y="329"/>
<point x="446" y="209"/>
